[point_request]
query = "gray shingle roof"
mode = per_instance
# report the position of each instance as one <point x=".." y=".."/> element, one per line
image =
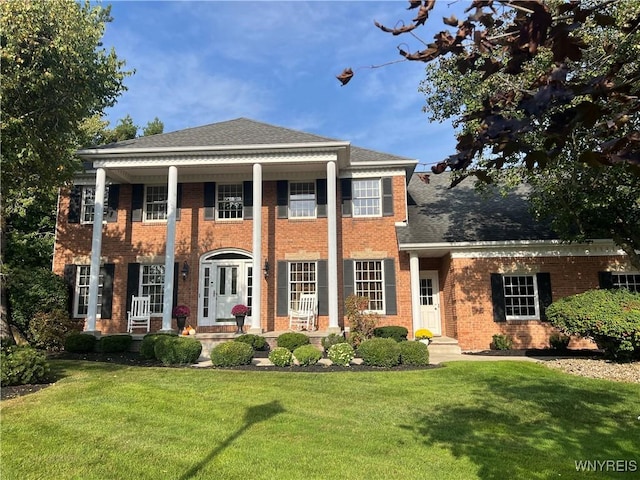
<point x="241" y="131"/>
<point x="438" y="214"/>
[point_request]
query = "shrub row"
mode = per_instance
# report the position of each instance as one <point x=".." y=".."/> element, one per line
<point x="386" y="352"/>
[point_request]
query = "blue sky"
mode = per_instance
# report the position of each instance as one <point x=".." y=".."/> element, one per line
<point x="203" y="62"/>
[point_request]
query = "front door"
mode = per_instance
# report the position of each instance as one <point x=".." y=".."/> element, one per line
<point x="430" y="302"/>
<point x="223" y="284"/>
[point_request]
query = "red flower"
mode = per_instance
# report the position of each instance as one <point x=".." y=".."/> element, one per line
<point x="240" y="310"/>
<point x="181" y="311"/>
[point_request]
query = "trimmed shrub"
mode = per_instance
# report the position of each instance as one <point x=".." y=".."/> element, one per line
<point x="559" y="342"/>
<point x="257" y="342"/>
<point x="21" y="365"/>
<point x="77" y="342"/>
<point x="414" y="353"/>
<point x="231" y="354"/>
<point x="380" y="352"/>
<point x="332" y="339"/>
<point x="341" y="354"/>
<point x="281" y="357"/>
<point x="115" y="343"/>
<point x="398" y="333"/>
<point x="307" y="355"/>
<point x="173" y="350"/>
<point x="610" y="317"/>
<point x="48" y="330"/>
<point x="147" y="346"/>
<point x="292" y="340"/>
<point x="501" y="342"/>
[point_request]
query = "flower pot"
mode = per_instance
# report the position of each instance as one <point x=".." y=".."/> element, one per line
<point x="426" y="341"/>
<point x="181" y="321"/>
<point x="240" y="323"/>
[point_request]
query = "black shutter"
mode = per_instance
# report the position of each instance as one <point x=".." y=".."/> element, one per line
<point x="209" y="200"/>
<point x="176" y="279"/>
<point x="345" y="192"/>
<point x="387" y="196"/>
<point x="75" y="202"/>
<point x="247" y="200"/>
<point x="545" y="297"/>
<point x="605" y="280"/>
<point x="108" y="273"/>
<point x="178" y="200"/>
<point x="321" y="197"/>
<point x="323" y="288"/>
<point x="497" y="298"/>
<point x="282" y="197"/>
<point x="282" y="290"/>
<point x="390" y="302"/>
<point x="347" y="278"/>
<point x="70" y="280"/>
<point x="137" y="203"/>
<point x="133" y="282"/>
<point x="112" y="204"/>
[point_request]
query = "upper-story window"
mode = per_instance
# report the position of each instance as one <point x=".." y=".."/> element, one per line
<point x="366" y="197"/>
<point x="87" y="208"/>
<point x="155" y="203"/>
<point x="302" y="200"/>
<point x="229" y="202"/>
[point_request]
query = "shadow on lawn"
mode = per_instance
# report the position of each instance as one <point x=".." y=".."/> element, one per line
<point x="253" y="415"/>
<point x="534" y="427"/>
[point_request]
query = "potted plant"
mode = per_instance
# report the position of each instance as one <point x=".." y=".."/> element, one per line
<point x="424" y="335"/>
<point x="240" y="311"/>
<point x="180" y="313"/>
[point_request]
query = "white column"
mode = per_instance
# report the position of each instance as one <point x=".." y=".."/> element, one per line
<point x="96" y="250"/>
<point x="170" y="254"/>
<point x="332" y="250"/>
<point x="414" y="272"/>
<point x="256" y="305"/>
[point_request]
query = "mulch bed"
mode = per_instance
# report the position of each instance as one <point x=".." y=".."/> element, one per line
<point x="540" y="352"/>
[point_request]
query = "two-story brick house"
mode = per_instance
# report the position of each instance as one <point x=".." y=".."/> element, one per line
<point x="246" y="212"/>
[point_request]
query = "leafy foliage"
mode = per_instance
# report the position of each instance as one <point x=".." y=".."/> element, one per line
<point x="77" y="342"/>
<point x="501" y="342"/>
<point x="380" y="352"/>
<point x="332" y="339"/>
<point x="48" y="330"/>
<point x="414" y="353"/>
<point x="281" y="357"/>
<point x="398" y="333"/>
<point x="341" y="354"/>
<point x="559" y="342"/>
<point x="172" y="350"/>
<point x="21" y="365"/>
<point x="610" y="317"/>
<point x="231" y="354"/>
<point x="147" y="347"/>
<point x="257" y="342"/>
<point x="292" y="340"/>
<point x="307" y="355"/>
<point x="361" y="322"/>
<point x="115" y="343"/>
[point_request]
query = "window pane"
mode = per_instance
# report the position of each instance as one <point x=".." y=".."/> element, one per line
<point x="152" y="286"/>
<point x="82" y="290"/>
<point x="368" y="275"/>
<point x="89" y="202"/>
<point x="630" y="281"/>
<point x="520" y="296"/>
<point x="302" y="279"/>
<point x="230" y="201"/>
<point x="156" y="202"/>
<point x="366" y="198"/>
<point x="302" y="199"/>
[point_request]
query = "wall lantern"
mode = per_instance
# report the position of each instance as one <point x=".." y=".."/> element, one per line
<point x="265" y="269"/>
<point x="185" y="270"/>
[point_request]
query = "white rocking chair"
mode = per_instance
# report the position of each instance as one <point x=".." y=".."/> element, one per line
<point x="304" y="317"/>
<point x="140" y="314"/>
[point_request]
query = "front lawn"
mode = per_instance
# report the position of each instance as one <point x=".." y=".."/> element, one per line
<point x="466" y="420"/>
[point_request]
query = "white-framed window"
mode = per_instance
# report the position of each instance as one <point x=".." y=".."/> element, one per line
<point x="81" y="304"/>
<point x="369" y="282"/>
<point x="630" y="281"/>
<point x="155" y="203"/>
<point x="302" y="279"/>
<point x="152" y="286"/>
<point x="88" y="202"/>
<point x="521" y="297"/>
<point x="229" y="202"/>
<point x="366" y="197"/>
<point x="302" y="200"/>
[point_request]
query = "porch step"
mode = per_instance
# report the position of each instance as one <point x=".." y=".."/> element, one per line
<point x="444" y="345"/>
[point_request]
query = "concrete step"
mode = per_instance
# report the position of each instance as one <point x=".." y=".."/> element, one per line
<point x="444" y="345"/>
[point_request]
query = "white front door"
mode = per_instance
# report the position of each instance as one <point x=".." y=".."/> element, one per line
<point x="430" y="302"/>
<point x="223" y="284"/>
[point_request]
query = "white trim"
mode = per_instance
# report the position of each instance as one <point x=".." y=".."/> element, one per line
<point x="536" y="298"/>
<point x="217" y="202"/>
<point x="144" y="204"/>
<point x="315" y="201"/>
<point x="372" y="171"/>
<point x="354" y="198"/>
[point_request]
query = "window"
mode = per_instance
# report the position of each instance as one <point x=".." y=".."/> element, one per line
<point x="88" y="203"/>
<point x="302" y="279"/>
<point x="229" y="200"/>
<point x="366" y="198"/>
<point x="152" y="286"/>
<point x="302" y="200"/>
<point x="630" y="281"/>
<point x="369" y="283"/>
<point x="81" y="305"/>
<point x="520" y="297"/>
<point x="426" y="291"/>
<point x="155" y="203"/>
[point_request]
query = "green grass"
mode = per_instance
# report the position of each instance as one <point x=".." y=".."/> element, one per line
<point x="466" y="420"/>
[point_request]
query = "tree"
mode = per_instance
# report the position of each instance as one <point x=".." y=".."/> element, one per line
<point x="54" y="75"/>
<point x="153" y="127"/>
<point x="124" y="130"/>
